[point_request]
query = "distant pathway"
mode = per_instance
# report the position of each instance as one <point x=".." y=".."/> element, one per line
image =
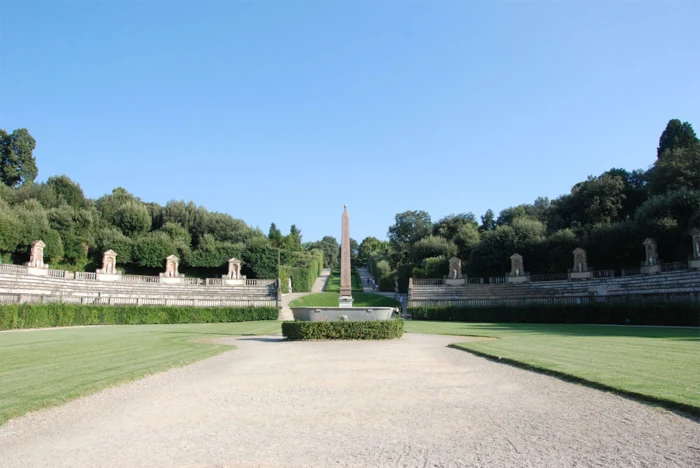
<point x="403" y="298"/>
<point x="319" y="286"/>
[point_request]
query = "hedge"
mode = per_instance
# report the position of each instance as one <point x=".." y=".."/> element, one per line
<point x="262" y="262"/>
<point x="66" y="315"/>
<point x="680" y="314"/>
<point x="366" y="330"/>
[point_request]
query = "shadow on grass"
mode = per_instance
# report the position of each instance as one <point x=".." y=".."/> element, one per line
<point x="682" y="409"/>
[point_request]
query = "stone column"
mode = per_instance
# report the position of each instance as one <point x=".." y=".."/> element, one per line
<point x="345" y="278"/>
<point x="695" y="259"/>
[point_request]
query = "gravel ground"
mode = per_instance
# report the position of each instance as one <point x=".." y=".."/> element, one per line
<point x="408" y="402"/>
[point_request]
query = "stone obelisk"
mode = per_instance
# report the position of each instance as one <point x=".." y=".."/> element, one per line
<point x="345" y="278"/>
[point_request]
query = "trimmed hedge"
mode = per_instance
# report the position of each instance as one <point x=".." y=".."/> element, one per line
<point x="262" y="262"/>
<point x="367" y="330"/>
<point x="681" y="314"/>
<point x="66" y="315"/>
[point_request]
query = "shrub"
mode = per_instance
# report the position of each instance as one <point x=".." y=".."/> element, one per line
<point x="262" y="262"/>
<point x="65" y="315"/>
<point x="681" y="314"/>
<point x="367" y="330"/>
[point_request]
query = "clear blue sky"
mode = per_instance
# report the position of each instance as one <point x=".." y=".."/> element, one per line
<point x="284" y="111"/>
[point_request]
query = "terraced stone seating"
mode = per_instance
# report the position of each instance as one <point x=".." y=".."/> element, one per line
<point x="18" y="288"/>
<point x="675" y="282"/>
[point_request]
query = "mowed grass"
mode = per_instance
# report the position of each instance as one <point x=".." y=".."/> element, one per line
<point x="654" y="363"/>
<point x="330" y="299"/>
<point x="48" y="367"/>
<point x="334" y="282"/>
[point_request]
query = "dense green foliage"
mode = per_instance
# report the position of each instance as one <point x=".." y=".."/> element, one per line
<point x="656" y="364"/>
<point x="302" y="267"/>
<point x="49" y="367"/>
<point x="66" y="315"/>
<point x="682" y="314"/>
<point x="17" y="163"/>
<point x="609" y="215"/>
<point x="367" y="330"/>
<point x="330" y="299"/>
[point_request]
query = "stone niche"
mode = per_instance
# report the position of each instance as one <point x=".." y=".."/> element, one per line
<point x="651" y="258"/>
<point x="171" y="275"/>
<point x="694" y="261"/>
<point x="109" y="271"/>
<point x="36" y="265"/>
<point x="580" y="270"/>
<point x="233" y="277"/>
<point x="517" y="270"/>
<point x="454" y="276"/>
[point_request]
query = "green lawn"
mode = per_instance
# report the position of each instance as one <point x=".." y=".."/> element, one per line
<point x="330" y="299"/>
<point x="334" y="282"/>
<point x="658" y="364"/>
<point x="48" y="367"/>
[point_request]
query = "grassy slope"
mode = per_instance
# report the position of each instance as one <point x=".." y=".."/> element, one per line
<point x="334" y="282"/>
<point x="47" y="367"/>
<point x="330" y="299"/>
<point x="659" y="364"/>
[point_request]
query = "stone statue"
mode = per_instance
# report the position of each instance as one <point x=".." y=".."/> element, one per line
<point x="289" y="284"/>
<point x="580" y="267"/>
<point x="454" y="273"/>
<point x="517" y="272"/>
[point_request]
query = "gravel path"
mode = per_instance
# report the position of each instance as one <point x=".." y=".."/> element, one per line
<point x="408" y="402"/>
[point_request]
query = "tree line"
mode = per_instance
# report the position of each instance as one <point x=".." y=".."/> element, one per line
<point x="609" y="215"/>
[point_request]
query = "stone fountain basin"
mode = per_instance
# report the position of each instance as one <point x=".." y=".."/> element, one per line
<point x="331" y="314"/>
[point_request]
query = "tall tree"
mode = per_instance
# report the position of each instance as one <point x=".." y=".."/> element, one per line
<point x="409" y="228"/>
<point x="275" y="235"/>
<point x="488" y="221"/>
<point x="17" y="163"/>
<point x="676" y="135"/>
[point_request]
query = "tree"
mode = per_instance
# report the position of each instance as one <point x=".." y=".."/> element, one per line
<point x="434" y="246"/>
<point x="409" y="228"/>
<point x="368" y="246"/>
<point x="67" y="191"/>
<point x="132" y="218"/>
<point x="329" y="246"/>
<point x="488" y="222"/>
<point x="275" y="235"/>
<point x="678" y="169"/>
<point x="17" y="163"/>
<point x="448" y="226"/>
<point x="676" y="135"/>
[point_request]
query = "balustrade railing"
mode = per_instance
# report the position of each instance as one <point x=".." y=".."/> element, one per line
<point x="428" y="281"/>
<point x="57" y="273"/>
<point x="260" y="282"/>
<point x="634" y="271"/>
<point x="549" y="277"/>
<point x="497" y="280"/>
<point x="140" y="279"/>
<point x="475" y="280"/>
<point x="13" y="269"/>
<point x="676" y="266"/>
<point x="82" y="275"/>
<point x="603" y="273"/>
<point x="214" y="281"/>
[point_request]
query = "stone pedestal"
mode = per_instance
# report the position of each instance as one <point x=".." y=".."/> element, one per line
<point x="345" y="301"/>
<point x="233" y="282"/>
<point x="651" y="269"/>
<point x="38" y="271"/>
<point x="108" y="277"/>
<point x="518" y="279"/>
<point x="694" y="264"/>
<point x="580" y="275"/>
<point x="454" y="282"/>
<point x="172" y="280"/>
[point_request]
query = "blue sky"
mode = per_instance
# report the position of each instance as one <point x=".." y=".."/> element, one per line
<point x="284" y="111"/>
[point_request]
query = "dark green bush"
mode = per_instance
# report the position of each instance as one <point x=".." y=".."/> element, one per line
<point x="262" y="262"/>
<point x="64" y="315"/>
<point x="367" y="330"/>
<point x="681" y="314"/>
